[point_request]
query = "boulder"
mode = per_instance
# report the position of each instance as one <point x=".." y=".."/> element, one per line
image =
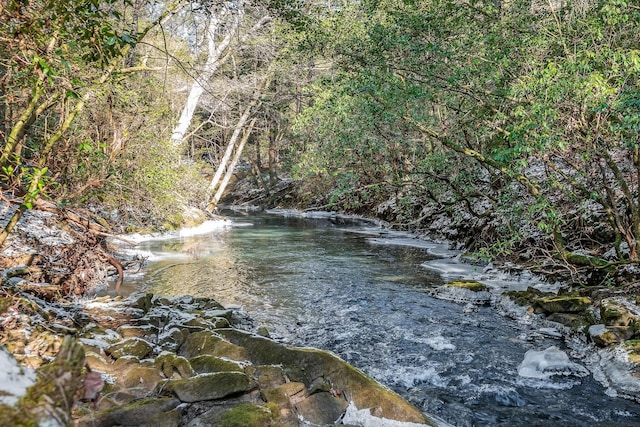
<point x="207" y="342"/>
<point x="160" y="412"/>
<point x="603" y="335"/>
<point x="248" y="415"/>
<point x="135" y="347"/>
<point x="268" y="375"/>
<point x="140" y="380"/>
<point x="208" y="386"/>
<point x="471" y="285"/>
<point x="172" y="365"/>
<point x="128" y="331"/>
<point x="208" y="364"/>
<point x="563" y="304"/>
<point x="321" y="408"/>
<point x="633" y="348"/>
<point x="620" y="312"/>
<point x="305" y="365"/>
<point x="576" y="321"/>
<point x="172" y="338"/>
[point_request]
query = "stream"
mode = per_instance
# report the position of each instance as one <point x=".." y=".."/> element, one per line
<point x="365" y="293"/>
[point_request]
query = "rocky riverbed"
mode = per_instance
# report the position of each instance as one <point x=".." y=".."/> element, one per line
<point x="146" y="360"/>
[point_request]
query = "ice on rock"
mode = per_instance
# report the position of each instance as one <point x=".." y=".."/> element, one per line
<point x="549" y="362"/>
<point x="364" y="418"/>
<point x="14" y="379"/>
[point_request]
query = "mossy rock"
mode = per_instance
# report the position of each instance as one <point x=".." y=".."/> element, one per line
<point x="268" y="375"/>
<point x="207" y="342"/>
<point x="321" y="408"/>
<point x="209" y="304"/>
<point x="129" y="331"/>
<point x="312" y="364"/>
<point x="563" y="304"/>
<point x="605" y="336"/>
<point x="157" y="412"/>
<point x="171" y="364"/>
<point x="248" y="415"/>
<point x="209" y="364"/>
<point x="633" y="347"/>
<point x="135" y="347"/>
<point x="526" y="298"/>
<point x="471" y="285"/>
<point x="615" y="312"/>
<point x="141" y="301"/>
<point x="173" y="338"/>
<point x="141" y="379"/>
<point x="209" y="386"/>
<point x="577" y="321"/>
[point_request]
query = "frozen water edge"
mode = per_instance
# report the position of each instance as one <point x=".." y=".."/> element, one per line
<point x="364" y="418"/>
<point x="127" y="243"/>
<point x="547" y="363"/>
<point x="204" y="228"/>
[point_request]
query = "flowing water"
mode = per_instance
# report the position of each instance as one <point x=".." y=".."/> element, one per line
<point x="366" y="295"/>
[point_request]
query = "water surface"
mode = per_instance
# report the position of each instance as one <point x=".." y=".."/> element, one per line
<point x="364" y="294"/>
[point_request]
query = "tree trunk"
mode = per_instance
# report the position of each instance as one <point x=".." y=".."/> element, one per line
<point x="230" y="147"/>
<point x="233" y="164"/>
<point x="215" y="50"/>
<point x="236" y="133"/>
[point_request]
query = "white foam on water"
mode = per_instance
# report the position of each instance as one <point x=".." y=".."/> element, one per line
<point x="410" y="376"/>
<point x="439" y="343"/>
<point x="498" y="280"/>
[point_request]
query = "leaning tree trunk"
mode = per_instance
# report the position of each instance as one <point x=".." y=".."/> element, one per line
<point x="232" y="166"/>
<point x="224" y="162"/>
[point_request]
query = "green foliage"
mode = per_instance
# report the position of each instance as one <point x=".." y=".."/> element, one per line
<point x="436" y="99"/>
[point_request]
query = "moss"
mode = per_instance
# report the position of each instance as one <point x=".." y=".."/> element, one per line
<point x="633" y="347"/>
<point x="526" y="298"/>
<point x="247" y="415"/>
<point x="10" y="416"/>
<point x="207" y="363"/>
<point x="577" y="321"/>
<point x="209" y="386"/>
<point x="471" y="285"/>
<point x="170" y="363"/>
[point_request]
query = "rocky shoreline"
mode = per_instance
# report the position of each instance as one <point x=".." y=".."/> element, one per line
<point x="149" y="361"/>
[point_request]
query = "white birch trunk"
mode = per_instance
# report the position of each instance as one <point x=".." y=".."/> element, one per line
<point x="215" y="51"/>
<point x="230" y="147"/>
<point x="232" y="166"/>
<point x="224" y="162"/>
